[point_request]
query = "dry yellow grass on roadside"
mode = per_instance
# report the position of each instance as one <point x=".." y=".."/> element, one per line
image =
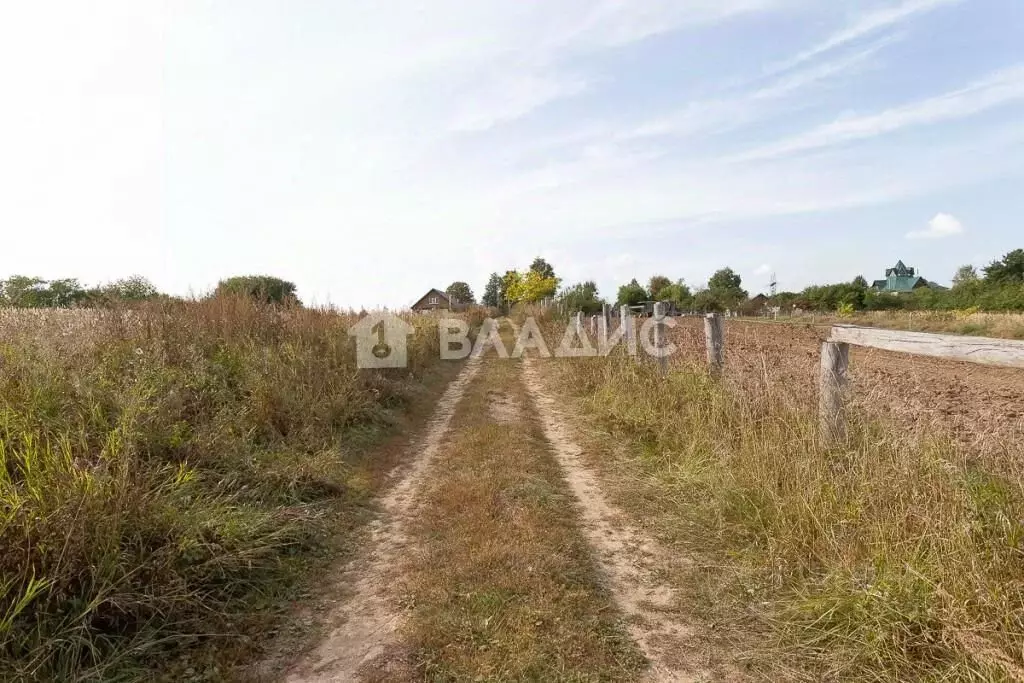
<point x="893" y="557"/>
<point x="502" y="583"/>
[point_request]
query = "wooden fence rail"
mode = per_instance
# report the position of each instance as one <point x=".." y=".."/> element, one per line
<point x="835" y="354"/>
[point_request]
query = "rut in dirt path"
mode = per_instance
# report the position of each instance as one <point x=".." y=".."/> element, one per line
<point x="630" y="559"/>
<point x="365" y="623"/>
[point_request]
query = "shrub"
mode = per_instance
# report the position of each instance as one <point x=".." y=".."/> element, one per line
<point x="262" y="288"/>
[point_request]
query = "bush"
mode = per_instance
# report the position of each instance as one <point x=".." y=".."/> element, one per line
<point x="262" y="288"/>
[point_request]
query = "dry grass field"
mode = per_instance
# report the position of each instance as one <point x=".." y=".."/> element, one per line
<point x="170" y="476"/>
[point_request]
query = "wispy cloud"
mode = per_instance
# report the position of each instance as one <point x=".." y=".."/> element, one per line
<point x="727" y="113"/>
<point x="998" y="89"/>
<point x="942" y="225"/>
<point x="863" y="25"/>
<point x="512" y="98"/>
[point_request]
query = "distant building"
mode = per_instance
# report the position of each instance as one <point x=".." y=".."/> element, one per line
<point x="436" y="300"/>
<point x="901" y="280"/>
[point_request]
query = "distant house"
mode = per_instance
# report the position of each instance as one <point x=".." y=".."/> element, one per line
<point x="901" y="279"/>
<point x="436" y="300"/>
<point x="755" y="305"/>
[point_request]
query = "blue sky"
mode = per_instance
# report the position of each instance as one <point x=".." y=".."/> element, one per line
<point x="369" y="150"/>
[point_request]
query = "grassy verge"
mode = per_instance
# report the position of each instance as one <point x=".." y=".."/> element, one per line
<point x="170" y="476"/>
<point x="884" y="559"/>
<point x="503" y="585"/>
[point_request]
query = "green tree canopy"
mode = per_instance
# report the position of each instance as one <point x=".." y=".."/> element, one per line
<point x="133" y="288"/>
<point x="725" y="280"/>
<point x="459" y="292"/>
<point x="542" y="268"/>
<point x="676" y="292"/>
<point x="656" y="284"/>
<point x="632" y="294"/>
<point x="264" y="288"/>
<point x="725" y="290"/>
<point x="964" y="275"/>
<point x="21" y="291"/>
<point x="492" y="292"/>
<point x="1009" y="269"/>
<point x="581" y="297"/>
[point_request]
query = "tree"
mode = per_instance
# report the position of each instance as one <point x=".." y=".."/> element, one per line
<point x="581" y="297"/>
<point x="724" y="280"/>
<point x="860" y="282"/>
<point x="64" y="293"/>
<point x="459" y="292"/>
<point x="678" y="293"/>
<point x="965" y="275"/>
<point x="263" y="288"/>
<point x="725" y="289"/>
<point x="656" y="284"/>
<point x="492" y="292"/>
<point x="632" y="294"/>
<point x="706" y="301"/>
<point x="134" y="288"/>
<point x="529" y="287"/>
<point x="1007" y="270"/>
<point x="21" y="291"/>
<point x="542" y="268"/>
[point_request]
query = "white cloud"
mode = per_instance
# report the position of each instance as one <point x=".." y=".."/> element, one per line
<point x="865" y="24"/>
<point x="997" y="89"/>
<point x="763" y="269"/>
<point x="942" y="225"/>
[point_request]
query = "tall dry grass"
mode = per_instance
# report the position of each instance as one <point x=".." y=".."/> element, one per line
<point x="166" y="472"/>
<point x="890" y="557"/>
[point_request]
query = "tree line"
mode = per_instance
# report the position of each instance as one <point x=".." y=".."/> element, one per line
<point x="21" y="291"/>
<point x="999" y="287"/>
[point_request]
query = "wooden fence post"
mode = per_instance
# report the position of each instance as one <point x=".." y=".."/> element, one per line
<point x="579" y="323"/>
<point x="835" y="358"/>
<point x="659" y="335"/>
<point x="714" y="341"/>
<point x="606" y="313"/>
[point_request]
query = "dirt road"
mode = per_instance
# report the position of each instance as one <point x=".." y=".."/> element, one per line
<point x="498" y="557"/>
<point x="368" y="619"/>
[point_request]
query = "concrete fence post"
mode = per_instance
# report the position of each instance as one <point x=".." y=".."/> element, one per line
<point x="835" y="359"/>
<point x="659" y="335"/>
<point x="714" y="341"/>
<point x="626" y="324"/>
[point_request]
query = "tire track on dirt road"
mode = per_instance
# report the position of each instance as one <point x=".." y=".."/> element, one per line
<point x="629" y="558"/>
<point x="367" y="620"/>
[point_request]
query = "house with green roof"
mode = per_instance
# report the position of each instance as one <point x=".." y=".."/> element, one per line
<point x="901" y="279"/>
